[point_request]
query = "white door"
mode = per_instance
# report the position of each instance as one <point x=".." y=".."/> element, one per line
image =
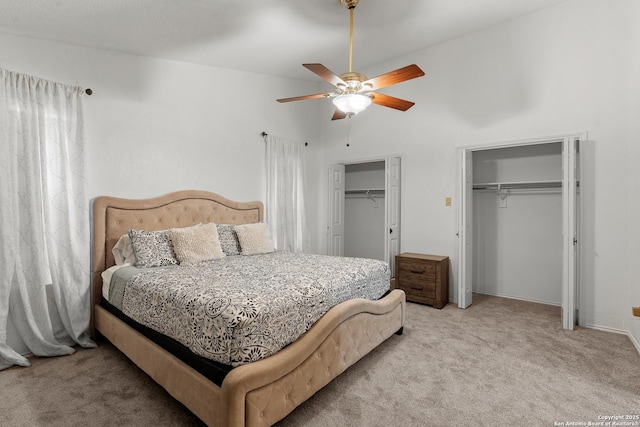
<point x="392" y="212"/>
<point x="336" y="210"/>
<point x="465" y="229"/>
<point x="569" y="230"/>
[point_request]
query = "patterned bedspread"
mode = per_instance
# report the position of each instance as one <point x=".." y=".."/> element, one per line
<point x="239" y="309"/>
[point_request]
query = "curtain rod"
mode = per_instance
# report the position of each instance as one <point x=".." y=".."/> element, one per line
<point x="263" y="134"/>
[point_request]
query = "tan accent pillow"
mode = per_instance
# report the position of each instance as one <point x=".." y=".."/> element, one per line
<point x="197" y="243"/>
<point x="254" y="238"/>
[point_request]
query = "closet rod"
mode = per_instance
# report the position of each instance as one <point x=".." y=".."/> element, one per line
<point x="518" y="185"/>
<point x="264" y="134"/>
<point x="364" y="191"/>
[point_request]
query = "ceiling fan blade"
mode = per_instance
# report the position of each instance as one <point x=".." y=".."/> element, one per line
<point x="391" y="102"/>
<point x="338" y="115"/>
<point x="325" y="73"/>
<point x="302" y="98"/>
<point x="393" y="77"/>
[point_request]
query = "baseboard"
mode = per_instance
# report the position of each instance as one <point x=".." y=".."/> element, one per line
<point x="606" y="329"/>
<point x="616" y="331"/>
<point x="518" y="298"/>
<point x="634" y="341"/>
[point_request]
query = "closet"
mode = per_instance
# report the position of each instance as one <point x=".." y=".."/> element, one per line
<point x="517" y="222"/>
<point x="364" y="210"/>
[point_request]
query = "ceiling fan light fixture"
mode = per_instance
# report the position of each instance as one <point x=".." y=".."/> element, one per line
<point x="351" y="103"/>
<point x="354" y="92"/>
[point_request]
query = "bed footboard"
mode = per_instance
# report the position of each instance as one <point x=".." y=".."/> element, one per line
<point x="264" y="392"/>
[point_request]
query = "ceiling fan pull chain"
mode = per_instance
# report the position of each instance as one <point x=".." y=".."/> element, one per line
<point x="348" y="131"/>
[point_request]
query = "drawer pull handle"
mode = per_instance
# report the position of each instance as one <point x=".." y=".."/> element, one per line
<point x="417" y="271"/>
<point x="416" y="288"/>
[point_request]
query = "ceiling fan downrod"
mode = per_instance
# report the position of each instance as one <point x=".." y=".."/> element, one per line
<point x="351" y="5"/>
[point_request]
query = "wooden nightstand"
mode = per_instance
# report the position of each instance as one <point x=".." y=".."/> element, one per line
<point x="424" y="278"/>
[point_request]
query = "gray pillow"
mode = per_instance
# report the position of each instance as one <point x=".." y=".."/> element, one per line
<point x="152" y="248"/>
<point x="228" y="240"/>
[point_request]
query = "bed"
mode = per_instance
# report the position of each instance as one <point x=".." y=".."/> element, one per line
<point x="259" y="393"/>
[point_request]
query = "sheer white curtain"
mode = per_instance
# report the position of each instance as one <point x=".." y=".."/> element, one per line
<point x="44" y="217"/>
<point x="285" y="209"/>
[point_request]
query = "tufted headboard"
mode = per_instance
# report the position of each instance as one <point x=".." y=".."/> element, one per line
<point x="113" y="217"/>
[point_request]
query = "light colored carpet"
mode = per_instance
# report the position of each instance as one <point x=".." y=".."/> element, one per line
<point x="499" y="363"/>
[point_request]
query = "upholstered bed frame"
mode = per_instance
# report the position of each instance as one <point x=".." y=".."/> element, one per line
<point x="255" y="394"/>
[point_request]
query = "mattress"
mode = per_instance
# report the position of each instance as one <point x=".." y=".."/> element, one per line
<point x="240" y="309"/>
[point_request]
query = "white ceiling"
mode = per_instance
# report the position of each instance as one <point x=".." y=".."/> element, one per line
<point x="264" y="36"/>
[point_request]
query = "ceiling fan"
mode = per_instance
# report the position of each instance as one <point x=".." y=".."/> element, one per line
<point x="353" y="91"/>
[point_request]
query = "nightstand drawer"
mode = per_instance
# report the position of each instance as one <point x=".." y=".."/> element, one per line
<point x="417" y="271"/>
<point x="419" y="288"/>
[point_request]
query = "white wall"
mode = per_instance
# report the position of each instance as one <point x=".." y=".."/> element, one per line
<point x="518" y="249"/>
<point x="633" y="195"/>
<point x="538" y="162"/>
<point x="569" y="68"/>
<point x="154" y="126"/>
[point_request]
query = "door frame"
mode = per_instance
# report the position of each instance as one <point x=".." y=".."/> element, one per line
<point x="572" y="211"/>
<point x="386" y="160"/>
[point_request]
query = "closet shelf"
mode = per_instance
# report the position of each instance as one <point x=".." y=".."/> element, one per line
<point x="517" y="185"/>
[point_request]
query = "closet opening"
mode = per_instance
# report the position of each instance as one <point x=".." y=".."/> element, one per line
<point x="518" y="223"/>
<point x="364" y="219"/>
<point x="364" y="207"/>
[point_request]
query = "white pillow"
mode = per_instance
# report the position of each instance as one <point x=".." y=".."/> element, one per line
<point x="254" y="238"/>
<point x="123" y="251"/>
<point x="197" y="243"/>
